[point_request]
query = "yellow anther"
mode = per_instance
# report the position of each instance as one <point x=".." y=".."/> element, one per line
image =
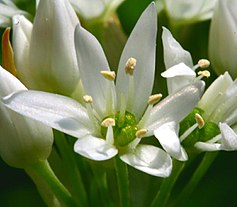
<point x="87" y="99"/>
<point x="203" y="63"/>
<point x="141" y="133"/>
<point x="130" y="65"/>
<point x="109" y="75"/>
<point x="204" y="73"/>
<point x="153" y="99"/>
<point x="108" y="122"/>
<point x="200" y="121"/>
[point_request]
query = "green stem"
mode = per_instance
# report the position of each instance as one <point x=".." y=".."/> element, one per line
<point x="70" y="164"/>
<point x="123" y="182"/>
<point x="165" y="190"/>
<point x="206" y="162"/>
<point x="43" y="172"/>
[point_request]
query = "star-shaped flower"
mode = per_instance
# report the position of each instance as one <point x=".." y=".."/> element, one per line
<point x="115" y="117"/>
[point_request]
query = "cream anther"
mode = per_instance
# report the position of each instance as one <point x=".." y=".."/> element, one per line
<point x="108" y="122"/>
<point x="199" y="120"/>
<point x="203" y="63"/>
<point x="87" y="99"/>
<point x="130" y="65"/>
<point x="109" y="75"/>
<point x="204" y="73"/>
<point x="153" y="99"/>
<point x="141" y="133"/>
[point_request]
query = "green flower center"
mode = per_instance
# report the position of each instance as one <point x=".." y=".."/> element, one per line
<point x="204" y="134"/>
<point x="124" y="129"/>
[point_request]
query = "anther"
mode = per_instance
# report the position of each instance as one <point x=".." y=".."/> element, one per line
<point x="203" y="63"/>
<point x="130" y="65"/>
<point x="199" y="120"/>
<point x="141" y="133"/>
<point x="87" y="99"/>
<point x="108" y="122"/>
<point x="204" y="73"/>
<point x="153" y="99"/>
<point x="109" y="75"/>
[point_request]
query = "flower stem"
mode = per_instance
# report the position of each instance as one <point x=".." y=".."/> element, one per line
<point x="206" y="162"/>
<point x="123" y="182"/>
<point x="69" y="163"/>
<point x="165" y="189"/>
<point x="42" y="172"/>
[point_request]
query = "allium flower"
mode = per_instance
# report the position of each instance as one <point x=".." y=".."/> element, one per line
<point x="23" y="141"/>
<point x="223" y="38"/>
<point x="189" y="11"/>
<point x="219" y="104"/>
<point x="45" y="54"/>
<point x="7" y="10"/>
<point x="116" y="116"/>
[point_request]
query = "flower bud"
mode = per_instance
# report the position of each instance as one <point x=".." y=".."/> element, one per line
<point x="23" y="141"/>
<point x="45" y="55"/>
<point x="223" y="38"/>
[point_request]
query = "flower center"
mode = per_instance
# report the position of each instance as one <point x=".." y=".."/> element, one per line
<point x="124" y="130"/>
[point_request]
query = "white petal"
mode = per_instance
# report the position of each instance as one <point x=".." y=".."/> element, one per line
<point x="173" y="51"/>
<point x="212" y="94"/>
<point x="167" y="134"/>
<point x="10" y="83"/>
<point x="91" y="60"/>
<point x="180" y="69"/>
<point x="205" y="146"/>
<point x="175" y="107"/>
<point x="178" y="76"/>
<point x="141" y="45"/>
<point x="94" y="148"/>
<point x="229" y="138"/>
<point x="149" y="159"/>
<point x="59" y="112"/>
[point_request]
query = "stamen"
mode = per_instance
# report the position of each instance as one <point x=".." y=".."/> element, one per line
<point x="141" y="133"/>
<point x="204" y="73"/>
<point x="200" y="121"/>
<point x="87" y="99"/>
<point x="130" y="65"/>
<point x="203" y="63"/>
<point x="109" y="75"/>
<point x="91" y="113"/>
<point x="153" y="99"/>
<point x="108" y="122"/>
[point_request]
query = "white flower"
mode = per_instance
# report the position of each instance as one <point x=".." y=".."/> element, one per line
<point x="7" y="10"/>
<point x="23" y="141"/>
<point x="219" y="104"/>
<point x="223" y="38"/>
<point x="91" y="9"/>
<point x="189" y="11"/>
<point x="45" y="54"/>
<point x="180" y="70"/>
<point x="115" y="118"/>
